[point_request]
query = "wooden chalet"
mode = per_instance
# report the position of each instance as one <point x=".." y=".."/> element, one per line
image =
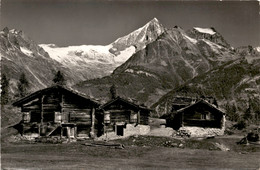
<point x="119" y="112"/>
<point x="179" y="102"/>
<point x="200" y="114"/>
<point x="57" y="111"/>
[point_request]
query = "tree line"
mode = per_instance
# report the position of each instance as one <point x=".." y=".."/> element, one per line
<point x="23" y="86"/>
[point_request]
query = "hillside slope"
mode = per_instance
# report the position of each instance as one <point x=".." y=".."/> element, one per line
<point x="235" y="82"/>
<point x="20" y="54"/>
<point x="95" y="61"/>
<point x="169" y="61"/>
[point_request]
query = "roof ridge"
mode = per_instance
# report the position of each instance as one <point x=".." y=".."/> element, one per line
<point x="200" y="100"/>
<point x="16" y="103"/>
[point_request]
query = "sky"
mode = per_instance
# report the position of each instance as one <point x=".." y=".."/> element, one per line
<point x="78" y="22"/>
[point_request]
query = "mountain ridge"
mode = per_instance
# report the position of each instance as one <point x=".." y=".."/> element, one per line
<point x="145" y="65"/>
<point x="78" y="63"/>
<point x="168" y="62"/>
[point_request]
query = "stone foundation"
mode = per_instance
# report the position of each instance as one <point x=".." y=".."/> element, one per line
<point x="136" y="130"/>
<point x="199" y="132"/>
<point x="162" y="131"/>
<point x="130" y="130"/>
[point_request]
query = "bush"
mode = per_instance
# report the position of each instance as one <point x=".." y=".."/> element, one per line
<point x="252" y="137"/>
<point x="228" y="132"/>
<point x="232" y="113"/>
<point x="240" y="125"/>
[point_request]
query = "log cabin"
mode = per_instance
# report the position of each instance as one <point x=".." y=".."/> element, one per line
<point x="202" y="113"/>
<point x="57" y="110"/>
<point x="179" y="102"/>
<point x="123" y="117"/>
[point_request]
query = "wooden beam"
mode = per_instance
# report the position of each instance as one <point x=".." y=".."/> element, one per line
<point x="62" y="110"/>
<point x="138" y="117"/>
<point x="41" y="103"/>
<point x="92" y="132"/>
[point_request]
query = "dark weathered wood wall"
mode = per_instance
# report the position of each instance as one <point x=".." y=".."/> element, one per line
<point x="73" y="109"/>
<point x="121" y="111"/>
<point x="192" y="117"/>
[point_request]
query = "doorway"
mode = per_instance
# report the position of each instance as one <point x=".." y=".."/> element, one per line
<point x="120" y="130"/>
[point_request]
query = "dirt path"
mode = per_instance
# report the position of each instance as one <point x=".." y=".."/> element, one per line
<point x="76" y="156"/>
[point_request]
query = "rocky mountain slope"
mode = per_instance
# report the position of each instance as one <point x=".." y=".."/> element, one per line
<point x="138" y="38"/>
<point x="147" y="64"/>
<point x="178" y="57"/>
<point x="233" y="83"/>
<point x="78" y="63"/>
<point x="20" y="54"/>
<point x="168" y="62"/>
<point x="95" y="61"/>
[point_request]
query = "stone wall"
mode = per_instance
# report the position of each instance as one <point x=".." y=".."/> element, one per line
<point x="189" y="131"/>
<point x="130" y="130"/>
<point x="199" y="132"/>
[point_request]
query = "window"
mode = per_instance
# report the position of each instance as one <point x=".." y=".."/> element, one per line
<point x="106" y="117"/>
<point x="133" y="117"/>
<point x="207" y="116"/>
<point x="203" y="116"/>
<point x="58" y="117"/>
<point x="26" y="117"/>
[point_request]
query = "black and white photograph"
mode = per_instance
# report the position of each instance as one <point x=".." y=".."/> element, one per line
<point x="129" y="84"/>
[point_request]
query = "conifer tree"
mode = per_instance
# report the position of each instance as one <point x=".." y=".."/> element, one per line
<point x="23" y="85"/>
<point x="4" y="90"/>
<point x="59" y="78"/>
<point x="113" y="91"/>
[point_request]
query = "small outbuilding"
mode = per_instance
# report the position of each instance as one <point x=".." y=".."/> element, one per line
<point x="201" y="114"/>
<point x="123" y="117"/>
<point x="57" y="110"/>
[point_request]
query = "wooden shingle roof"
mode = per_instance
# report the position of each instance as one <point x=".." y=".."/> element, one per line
<point x="203" y="102"/>
<point x="55" y="87"/>
<point x="125" y="101"/>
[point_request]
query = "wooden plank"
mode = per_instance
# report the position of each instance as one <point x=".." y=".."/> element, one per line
<point x="50" y="104"/>
<point x="84" y="124"/>
<point x="76" y="119"/>
<point x="78" y="110"/>
<point x="79" y="116"/>
<point x="32" y="107"/>
<point x="41" y="99"/>
<point x="119" y="117"/>
<point x="75" y="106"/>
<point x="57" y="108"/>
<point x="30" y="110"/>
<point x="62" y="103"/>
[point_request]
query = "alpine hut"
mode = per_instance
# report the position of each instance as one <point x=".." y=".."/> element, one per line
<point x="124" y="118"/>
<point x="57" y="110"/>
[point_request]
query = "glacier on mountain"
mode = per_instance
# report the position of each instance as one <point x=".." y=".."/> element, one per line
<point x="74" y="55"/>
<point x="205" y="30"/>
<point x="213" y="46"/>
<point x="26" y="51"/>
<point x="194" y="41"/>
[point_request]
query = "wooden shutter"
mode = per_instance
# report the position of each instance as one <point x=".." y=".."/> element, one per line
<point x="26" y="117"/>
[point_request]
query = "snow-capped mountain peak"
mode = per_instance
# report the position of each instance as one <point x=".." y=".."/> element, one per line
<point x="75" y="55"/>
<point x="210" y="34"/>
<point x="113" y="54"/>
<point x="257" y="49"/>
<point x="205" y="30"/>
<point x="140" y="37"/>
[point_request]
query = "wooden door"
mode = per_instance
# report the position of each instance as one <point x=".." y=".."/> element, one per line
<point x="119" y="130"/>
